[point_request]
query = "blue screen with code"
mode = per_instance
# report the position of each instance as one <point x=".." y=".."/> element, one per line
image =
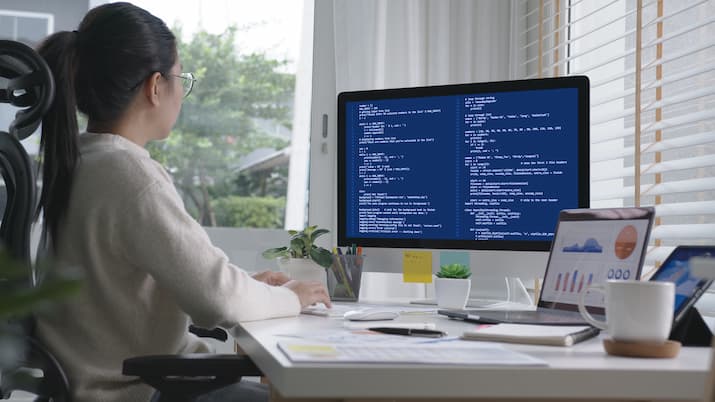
<point x="492" y="166"/>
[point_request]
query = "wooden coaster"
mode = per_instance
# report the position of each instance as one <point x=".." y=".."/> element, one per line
<point x="642" y="349"/>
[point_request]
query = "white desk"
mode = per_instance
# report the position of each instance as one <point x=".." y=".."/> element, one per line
<point x="581" y="372"/>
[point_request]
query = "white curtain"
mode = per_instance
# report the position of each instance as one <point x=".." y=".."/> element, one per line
<point x="401" y="43"/>
<point x="375" y="44"/>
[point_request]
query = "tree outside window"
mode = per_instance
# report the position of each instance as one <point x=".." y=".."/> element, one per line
<point x="240" y="107"/>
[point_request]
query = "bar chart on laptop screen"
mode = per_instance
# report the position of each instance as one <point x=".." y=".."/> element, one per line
<point x="592" y="253"/>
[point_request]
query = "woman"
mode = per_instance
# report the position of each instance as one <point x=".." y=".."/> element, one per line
<point x="148" y="267"/>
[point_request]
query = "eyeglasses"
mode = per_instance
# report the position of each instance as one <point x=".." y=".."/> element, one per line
<point x="187" y="82"/>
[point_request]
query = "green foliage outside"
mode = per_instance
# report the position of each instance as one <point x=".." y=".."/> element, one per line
<point x="254" y="212"/>
<point x="223" y="120"/>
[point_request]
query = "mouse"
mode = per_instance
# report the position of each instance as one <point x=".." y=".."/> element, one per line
<point x="370" y="314"/>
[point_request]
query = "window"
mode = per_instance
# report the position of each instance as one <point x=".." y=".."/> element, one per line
<point x="26" y="27"/>
<point x="229" y="152"/>
<point x="652" y="70"/>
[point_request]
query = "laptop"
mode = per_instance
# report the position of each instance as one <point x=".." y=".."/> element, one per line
<point x="590" y="246"/>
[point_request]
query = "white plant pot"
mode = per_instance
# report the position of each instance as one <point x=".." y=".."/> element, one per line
<point x="303" y="269"/>
<point x="452" y="293"/>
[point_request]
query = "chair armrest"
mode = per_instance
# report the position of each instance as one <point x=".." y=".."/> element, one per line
<point x="191" y="365"/>
<point x="216" y="333"/>
<point x="180" y="378"/>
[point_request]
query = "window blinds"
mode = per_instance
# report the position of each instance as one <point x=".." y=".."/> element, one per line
<point x="652" y="70"/>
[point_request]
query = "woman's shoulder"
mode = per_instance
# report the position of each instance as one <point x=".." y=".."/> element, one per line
<point x="118" y="161"/>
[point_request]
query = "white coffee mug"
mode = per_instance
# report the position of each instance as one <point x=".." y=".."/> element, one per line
<point x="636" y="311"/>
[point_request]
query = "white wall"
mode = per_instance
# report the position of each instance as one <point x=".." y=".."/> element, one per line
<point x="360" y="45"/>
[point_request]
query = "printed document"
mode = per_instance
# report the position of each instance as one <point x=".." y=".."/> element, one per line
<point x="452" y="353"/>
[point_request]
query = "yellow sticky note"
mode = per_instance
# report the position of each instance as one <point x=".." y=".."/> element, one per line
<point x="315" y="350"/>
<point x="417" y="266"/>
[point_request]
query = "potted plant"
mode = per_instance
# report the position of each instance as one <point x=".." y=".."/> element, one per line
<point x="452" y="286"/>
<point x="18" y="300"/>
<point x="303" y="259"/>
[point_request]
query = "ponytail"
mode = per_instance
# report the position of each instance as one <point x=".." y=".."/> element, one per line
<point x="59" y="142"/>
<point x="98" y="70"/>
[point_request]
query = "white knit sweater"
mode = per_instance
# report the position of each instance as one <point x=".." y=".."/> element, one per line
<point x="148" y="268"/>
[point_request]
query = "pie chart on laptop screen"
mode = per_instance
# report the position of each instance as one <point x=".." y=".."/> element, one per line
<point x="626" y="242"/>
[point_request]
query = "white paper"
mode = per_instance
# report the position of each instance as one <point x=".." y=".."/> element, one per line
<point x="454" y="353"/>
<point x="361" y="336"/>
<point x="339" y="309"/>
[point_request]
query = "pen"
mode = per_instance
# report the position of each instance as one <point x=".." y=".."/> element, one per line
<point x="427" y="333"/>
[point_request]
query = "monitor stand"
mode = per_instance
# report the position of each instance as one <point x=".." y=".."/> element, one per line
<point x="514" y="296"/>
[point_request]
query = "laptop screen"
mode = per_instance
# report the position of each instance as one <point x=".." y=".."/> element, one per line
<point x="676" y="269"/>
<point x="590" y="247"/>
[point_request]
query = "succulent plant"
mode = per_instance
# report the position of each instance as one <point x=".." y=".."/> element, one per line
<point x="454" y="271"/>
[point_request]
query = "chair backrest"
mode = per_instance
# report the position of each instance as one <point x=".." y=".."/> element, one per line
<point x="20" y="188"/>
<point x="29" y="86"/>
<point x="27" y="83"/>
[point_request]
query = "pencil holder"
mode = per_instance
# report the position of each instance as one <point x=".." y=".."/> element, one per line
<point x="344" y="277"/>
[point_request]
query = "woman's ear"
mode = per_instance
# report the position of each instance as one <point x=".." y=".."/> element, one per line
<point x="151" y="88"/>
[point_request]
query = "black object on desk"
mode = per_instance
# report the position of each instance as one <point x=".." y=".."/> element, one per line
<point x="691" y="330"/>
<point x="427" y="333"/>
<point x="688" y="325"/>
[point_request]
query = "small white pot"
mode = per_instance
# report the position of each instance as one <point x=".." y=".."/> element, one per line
<point x="452" y="293"/>
<point x="303" y="269"/>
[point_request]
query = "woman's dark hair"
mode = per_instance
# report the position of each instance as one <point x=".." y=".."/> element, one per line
<point x="98" y="69"/>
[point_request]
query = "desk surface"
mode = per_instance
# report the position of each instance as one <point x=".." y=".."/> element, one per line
<point x="582" y="371"/>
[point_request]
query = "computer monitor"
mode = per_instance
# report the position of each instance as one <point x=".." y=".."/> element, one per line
<point x="484" y="166"/>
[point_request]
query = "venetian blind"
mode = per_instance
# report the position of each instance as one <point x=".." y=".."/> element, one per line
<point x="652" y="70"/>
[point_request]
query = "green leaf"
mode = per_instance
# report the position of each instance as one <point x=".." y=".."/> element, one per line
<point x="301" y="246"/>
<point x="317" y="234"/>
<point x="277" y="252"/>
<point x="323" y="257"/>
<point x="17" y="297"/>
<point x="297" y="246"/>
<point x="26" y="300"/>
<point x="455" y="271"/>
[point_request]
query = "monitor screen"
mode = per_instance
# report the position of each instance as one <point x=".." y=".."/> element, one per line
<point x="484" y="166"/>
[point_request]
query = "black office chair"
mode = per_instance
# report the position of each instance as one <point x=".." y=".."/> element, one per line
<point x="182" y="378"/>
<point x="26" y="82"/>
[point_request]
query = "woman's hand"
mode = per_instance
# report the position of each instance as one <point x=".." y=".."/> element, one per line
<point x="310" y="292"/>
<point x="271" y="277"/>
